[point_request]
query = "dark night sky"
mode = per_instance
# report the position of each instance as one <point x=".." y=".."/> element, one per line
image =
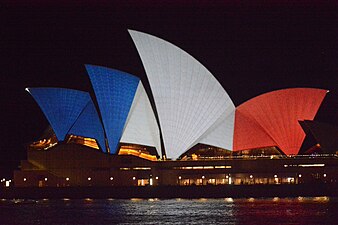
<point x="250" y="49"/>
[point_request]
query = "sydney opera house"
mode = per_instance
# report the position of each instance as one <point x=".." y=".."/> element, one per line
<point x="190" y="133"/>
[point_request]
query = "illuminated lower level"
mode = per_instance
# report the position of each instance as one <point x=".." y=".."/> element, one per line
<point x="77" y="165"/>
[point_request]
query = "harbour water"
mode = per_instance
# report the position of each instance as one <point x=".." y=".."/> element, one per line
<point x="318" y="210"/>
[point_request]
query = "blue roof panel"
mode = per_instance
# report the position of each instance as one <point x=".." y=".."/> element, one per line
<point x="61" y="107"/>
<point x="114" y="92"/>
<point x="89" y="124"/>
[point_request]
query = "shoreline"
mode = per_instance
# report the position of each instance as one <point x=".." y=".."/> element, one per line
<point x="169" y="192"/>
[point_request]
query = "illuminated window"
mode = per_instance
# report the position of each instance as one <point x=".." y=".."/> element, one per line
<point x="305" y="165"/>
<point x="197" y="167"/>
<point x="311" y="165"/>
<point x="125" y="168"/>
<point x="290" y="180"/>
<point x="222" y="167"/>
<point x="141" y="168"/>
<point x="199" y="182"/>
<point x="208" y="167"/>
<point x="212" y="181"/>
<point x="201" y="167"/>
<point x="143" y="182"/>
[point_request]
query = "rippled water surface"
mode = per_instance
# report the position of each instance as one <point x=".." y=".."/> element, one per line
<point x="173" y="211"/>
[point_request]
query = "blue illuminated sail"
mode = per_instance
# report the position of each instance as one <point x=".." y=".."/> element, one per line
<point x="61" y="107"/>
<point x="88" y="124"/>
<point x="115" y="91"/>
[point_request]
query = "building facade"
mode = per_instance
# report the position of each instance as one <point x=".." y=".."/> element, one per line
<point x="115" y="139"/>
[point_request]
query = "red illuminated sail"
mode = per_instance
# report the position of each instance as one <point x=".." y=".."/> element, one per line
<point x="271" y="119"/>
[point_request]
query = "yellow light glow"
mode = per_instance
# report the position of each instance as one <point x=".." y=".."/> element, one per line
<point x="141" y="168"/>
<point x="275" y="199"/>
<point x="125" y="168"/>
<point x="86" y="141"/>
<point x="197" y="167"/>
<point x="43" y="144"/>
<point x="201" y="167"/>
<point x="305" y="165"/>
<point x="124" y="150"/>
<point x="208" y="167"/>
<point x="90" y="142"/>
<point x="229" y="199"/>
<point x="321" y="199"/>
<point x="311" y="165"/>
<point x="186" y="168"/>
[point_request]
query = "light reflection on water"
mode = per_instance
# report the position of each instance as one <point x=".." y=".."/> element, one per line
<point x="301" y="210"/>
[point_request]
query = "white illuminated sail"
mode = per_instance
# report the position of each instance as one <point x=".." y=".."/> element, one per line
<point x="192" y="106"/>
<point x="141" y="126"/>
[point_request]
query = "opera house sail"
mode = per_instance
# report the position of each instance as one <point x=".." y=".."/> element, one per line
<point x="192" y="105"/>
<point x="271" y="119"/>
<point x="125" y="108"/>
<point x="61" y="107"/>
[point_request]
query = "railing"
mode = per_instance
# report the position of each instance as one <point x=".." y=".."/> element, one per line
<point x="266" y="157"/>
